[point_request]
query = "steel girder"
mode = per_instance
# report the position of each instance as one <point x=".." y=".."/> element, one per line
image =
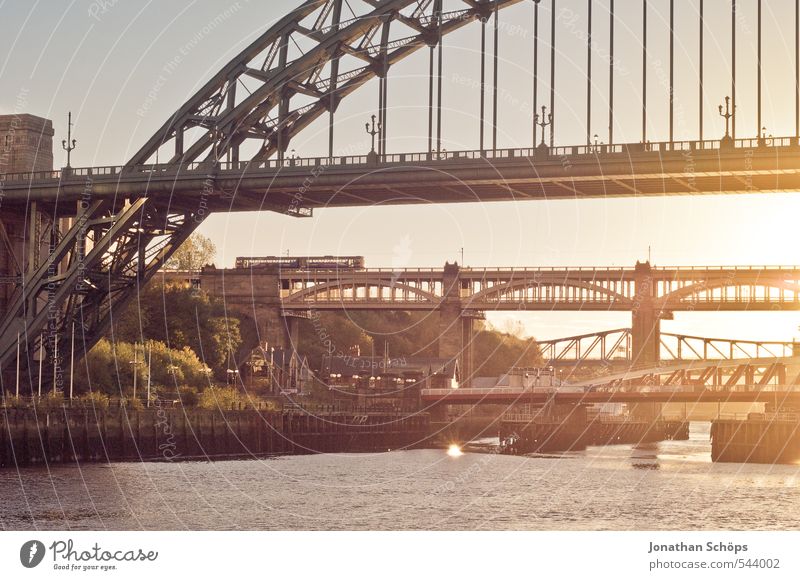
<point x="312" y="57"/>
<point x="601" y="346"/>
<point x="112" y="251"/>
<point x="97" y="265"/>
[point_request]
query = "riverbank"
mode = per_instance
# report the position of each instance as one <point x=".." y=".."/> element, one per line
<point x="69" y="436"/>
<point x="669" y="485"/>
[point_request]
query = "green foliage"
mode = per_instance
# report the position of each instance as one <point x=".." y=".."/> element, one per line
<point x="108" y="368"/>
<point x="194" y="253"/>
<point x="188" y="396"/>
<point x="227" y="398"/>
<point x="411" y="334"/>
<point x="172" y="367"/>
<point x="331" y="333"/>
<point x="497" y="352"/>
<point x="131" y="403"/>
<point x="14" y="402"/>
<point x="94" y="400"/>
<point x="406" y="333"/>
<point x="52" y="400"/>
<point x="182" y="318"/>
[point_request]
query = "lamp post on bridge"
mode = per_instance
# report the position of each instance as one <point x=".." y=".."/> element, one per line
<point x="766" y="140"/>
<point x="727" y="140"/>
<point x="69" y="144"/>
<point x="543" y="121"/>
<point x="373" y="132"/>
<point x="598" y="145"/>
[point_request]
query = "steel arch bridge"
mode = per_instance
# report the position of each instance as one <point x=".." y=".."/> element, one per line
<point x="300" y="70"/>
<point x="227" y="144"/>
<point x="615" y="346"/>
<point x="118" y="242"/>
<point x="666" y="290"/>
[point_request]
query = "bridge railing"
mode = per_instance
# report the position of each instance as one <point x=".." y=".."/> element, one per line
<point x="626" y="149"/>
<point x="578" y="269"/>
<point x="768" y="417"/>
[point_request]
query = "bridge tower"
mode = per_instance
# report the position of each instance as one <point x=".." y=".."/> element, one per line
<point x="456" y="327"/>
<point x="645" y="332"/>
<point x="646" y="318"/>
<point x="26" y="233"/>
<point x="26" y="144"/>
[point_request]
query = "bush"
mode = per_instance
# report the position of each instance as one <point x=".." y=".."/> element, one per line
<point x="52" y="400"/>
<point x="95" y="400"/>
<point x="131" y="403"/>
<point x="189" y="396"/>
<point x="227" y="398"/>
<point x="15" y="402"/>
<point x="108" y="368"/>
<point x="219" y="398"/>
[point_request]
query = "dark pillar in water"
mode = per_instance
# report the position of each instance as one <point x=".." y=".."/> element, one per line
<point x="646" y="319"/>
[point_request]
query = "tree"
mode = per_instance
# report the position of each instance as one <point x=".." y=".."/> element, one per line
<point x="108" y="368"/>
<point x="413" y="334"/>
<point x="181" y="317"/>
<point x="495" y="353"/>
<point x="194" y="253"/>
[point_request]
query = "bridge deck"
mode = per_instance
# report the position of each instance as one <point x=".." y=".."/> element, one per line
<point x="687" y="394"/>
<point x="510" y="174"/>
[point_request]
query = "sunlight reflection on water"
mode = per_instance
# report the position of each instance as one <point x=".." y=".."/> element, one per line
<point x="669" y="485"/>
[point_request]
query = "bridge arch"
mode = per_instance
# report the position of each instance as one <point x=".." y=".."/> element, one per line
<point x="380" y="284"/>
<point x="695" y="291"/>
<point x="495" y="293"/>
<point x="251" y="97"/>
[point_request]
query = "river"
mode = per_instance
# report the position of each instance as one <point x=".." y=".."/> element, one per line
<point x="669" y="486"/>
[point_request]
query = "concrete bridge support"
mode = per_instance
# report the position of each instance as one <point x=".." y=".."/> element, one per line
<point x="456" y="328"/>
<point x="26" y="144"/>
<point x="646" y="319"/>
<point x="645" y="337"/>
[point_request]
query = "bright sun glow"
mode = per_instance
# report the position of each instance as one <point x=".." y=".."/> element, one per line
<point x="454" y="451"/>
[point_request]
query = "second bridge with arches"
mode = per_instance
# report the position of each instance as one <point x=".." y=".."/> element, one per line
<point x="276" y="291"/>
<point x="596" y="289"/>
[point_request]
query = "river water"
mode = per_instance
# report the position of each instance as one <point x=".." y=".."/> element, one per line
<point x="671" y="485"/>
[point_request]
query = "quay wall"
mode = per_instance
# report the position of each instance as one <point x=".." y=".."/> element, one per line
<point x="69" y="436"/>
<point x="519" y="437"/>
<point x="758" y="440"/>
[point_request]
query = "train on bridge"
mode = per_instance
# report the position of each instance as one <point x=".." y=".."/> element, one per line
<point x="303" y="263"/>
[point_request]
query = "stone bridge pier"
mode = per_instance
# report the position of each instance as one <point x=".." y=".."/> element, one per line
<point x="26" y="234"/>
<point x="456" y="326"/>
<point x="646" y="333"/>
<point x="646" y="319"/>
<point x="254" y="296"/>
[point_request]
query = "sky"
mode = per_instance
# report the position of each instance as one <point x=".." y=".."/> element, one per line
<point x="108" y="61"/>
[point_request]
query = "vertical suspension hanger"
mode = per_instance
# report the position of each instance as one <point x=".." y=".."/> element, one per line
<point x="483" y="83"/>
<point x="384" y="82"/>
<point x="671" y="73"/>
<point x="644" y="71"/>
<point x="430" y="87"/>
<point x="336" y="19"/>
<point x="552" y="72"/>
<point x="733" y="69"/>
<point x="536" y="65"/>
<point x="589" y="75"/>
<point x="439" y="77"/>
<point x="758" y="40"/>
<point x="611" y="77"/>
<point x="496" y="58"/>
<point x="701" y="96"/>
